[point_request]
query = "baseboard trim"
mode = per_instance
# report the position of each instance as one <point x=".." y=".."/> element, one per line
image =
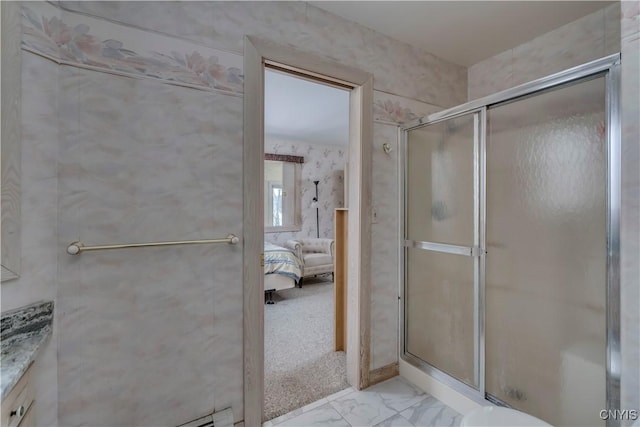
<point x="382" y="374"/>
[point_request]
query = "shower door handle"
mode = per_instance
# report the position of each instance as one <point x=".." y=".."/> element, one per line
<point x="472" y="251"/>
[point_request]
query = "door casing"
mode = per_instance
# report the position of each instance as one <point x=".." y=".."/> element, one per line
<point x="256" y="52"/>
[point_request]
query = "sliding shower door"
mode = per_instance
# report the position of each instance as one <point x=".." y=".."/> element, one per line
<point x="440" y="233"/>
<point x="546" y="266"/>
<point x="510" y="246"/>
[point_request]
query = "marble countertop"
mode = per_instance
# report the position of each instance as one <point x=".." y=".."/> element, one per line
<point x="24" y="332"/>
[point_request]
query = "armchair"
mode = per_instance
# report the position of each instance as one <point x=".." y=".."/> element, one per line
<point x="316" y="255"/>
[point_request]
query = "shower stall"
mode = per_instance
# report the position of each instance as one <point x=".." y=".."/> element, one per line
<point x="510" y="246"/>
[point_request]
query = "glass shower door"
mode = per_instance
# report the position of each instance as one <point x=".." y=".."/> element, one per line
<point x="511" y="246"/>
<point x="546" y="269"/>
<point x="441" y="232"/>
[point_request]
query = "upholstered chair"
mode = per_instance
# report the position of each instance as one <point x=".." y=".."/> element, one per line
<point x="316" y="255"/>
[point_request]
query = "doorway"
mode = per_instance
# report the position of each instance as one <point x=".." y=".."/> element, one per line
<point x="257" y="54"/>
<point x="306" y="137"/>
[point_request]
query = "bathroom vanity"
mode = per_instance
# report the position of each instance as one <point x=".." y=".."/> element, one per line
<point x="17" y="406"/>
<point x="24" y="332"/>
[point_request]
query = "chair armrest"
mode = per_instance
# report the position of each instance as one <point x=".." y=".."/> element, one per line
<point x="296" y="247"/>
<point x="332" y="246"/>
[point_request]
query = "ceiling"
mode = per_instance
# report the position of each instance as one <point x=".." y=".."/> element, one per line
<point x="302" y="110"/>
<point x="462" y="32"/>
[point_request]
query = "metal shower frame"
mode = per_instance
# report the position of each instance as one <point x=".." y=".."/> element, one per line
<point x="609" y="67"/>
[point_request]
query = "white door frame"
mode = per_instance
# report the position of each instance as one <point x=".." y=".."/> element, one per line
<point x="256" y="52"/>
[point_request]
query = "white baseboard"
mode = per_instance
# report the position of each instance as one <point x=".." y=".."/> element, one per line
<point x="450" y="397"/>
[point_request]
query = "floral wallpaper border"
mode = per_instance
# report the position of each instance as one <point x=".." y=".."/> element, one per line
<point x="78" y="39"/>
<point x="397" y="110"/>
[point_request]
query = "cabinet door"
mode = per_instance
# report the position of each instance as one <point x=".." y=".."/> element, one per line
<point x="20" y="396"/>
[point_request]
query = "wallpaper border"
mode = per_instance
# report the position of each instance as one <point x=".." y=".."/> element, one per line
<point x="78" y="40"/>
<point x="397" y="110"/>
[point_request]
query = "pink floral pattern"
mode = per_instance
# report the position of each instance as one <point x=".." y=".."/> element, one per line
<point x="389" y="111"/>
<point x="59" y="33"/>
<point x="398" y="110"/>
<point x="52" y="37"/>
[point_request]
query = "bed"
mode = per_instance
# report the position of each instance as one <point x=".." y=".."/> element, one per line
<point x="282" y="270"/>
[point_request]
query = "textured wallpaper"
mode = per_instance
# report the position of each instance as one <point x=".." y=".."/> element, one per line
<point x="135" y="130"/>
<point x="396" y="110"/>
<point x="583" y="40"/>
<point x="399" y="68"/>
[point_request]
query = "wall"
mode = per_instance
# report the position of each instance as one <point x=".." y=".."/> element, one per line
<point x="321" y="162"/>
<point x="613" y="29"/>
<point x="588" y="38"/>
<point x="389" y="111"/>
<point x="134" y="133"/>
<point x="10" y="249"/>
<point x="398" y="67"/>
<point x="38" y="87"/>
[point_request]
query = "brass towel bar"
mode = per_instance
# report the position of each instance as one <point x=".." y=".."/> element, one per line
<point x="76" y="248"/>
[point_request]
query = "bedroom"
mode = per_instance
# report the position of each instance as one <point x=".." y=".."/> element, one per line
<point x="306" y="135"/>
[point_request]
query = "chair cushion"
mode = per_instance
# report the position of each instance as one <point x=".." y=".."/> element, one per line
<point x="312" y="260"/>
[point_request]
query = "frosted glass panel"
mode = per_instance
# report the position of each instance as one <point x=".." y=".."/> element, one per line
<point x="546" y="261"/>
<point x="440" y="182"/>
<point x="439" y="297"/>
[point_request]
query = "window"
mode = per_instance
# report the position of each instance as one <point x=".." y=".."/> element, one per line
<point x="282" y="193"/>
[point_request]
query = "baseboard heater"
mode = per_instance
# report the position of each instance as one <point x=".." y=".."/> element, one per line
<point x="222" y="418"/>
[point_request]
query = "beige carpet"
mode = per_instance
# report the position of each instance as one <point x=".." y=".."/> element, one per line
<point x="300" y="364"/>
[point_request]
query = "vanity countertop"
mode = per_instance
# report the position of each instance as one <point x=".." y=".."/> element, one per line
<point x="24" y="332"/>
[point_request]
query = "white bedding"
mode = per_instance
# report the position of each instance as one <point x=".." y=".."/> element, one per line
<point x="281" y="261"/>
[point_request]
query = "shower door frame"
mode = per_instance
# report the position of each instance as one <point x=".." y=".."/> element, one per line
<point x="607" y="67"/>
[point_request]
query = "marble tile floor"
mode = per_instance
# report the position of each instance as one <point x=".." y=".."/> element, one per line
<point x="394" y="402"/>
